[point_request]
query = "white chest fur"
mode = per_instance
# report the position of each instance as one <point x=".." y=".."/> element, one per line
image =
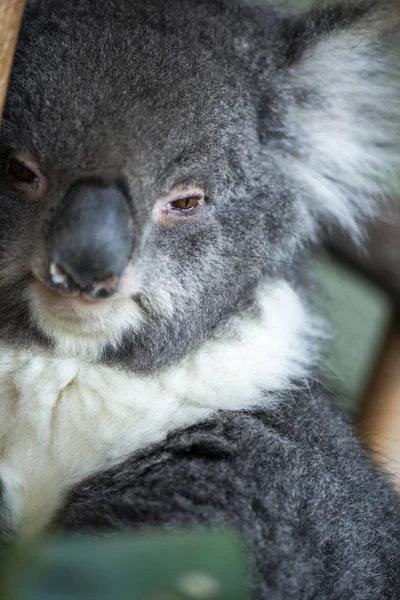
<point x="62" y="420"/>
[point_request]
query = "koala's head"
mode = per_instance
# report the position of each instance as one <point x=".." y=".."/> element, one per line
<point x="161" y="157"/>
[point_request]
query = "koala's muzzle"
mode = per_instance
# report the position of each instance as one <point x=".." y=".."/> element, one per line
<point x="90" y="241"/>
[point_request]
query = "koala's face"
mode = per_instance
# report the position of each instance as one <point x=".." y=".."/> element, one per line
<point x="143" y="193"/>
<point x="132" y="199"/>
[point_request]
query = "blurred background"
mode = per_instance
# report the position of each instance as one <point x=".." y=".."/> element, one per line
<point x="361" y="301"/>
<point x="359" y="308"/>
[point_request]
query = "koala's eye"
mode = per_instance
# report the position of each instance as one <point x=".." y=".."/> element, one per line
<point x="185" y="204"/>
<point x="20" y="172"/>
<point x="24" y="174"/>
<point x="180" y="202"/>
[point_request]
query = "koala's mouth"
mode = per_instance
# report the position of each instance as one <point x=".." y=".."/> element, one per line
<point x="51" y="300"/>
<point x="78" y="315"/>
<point x="78" y="325"/>
<point x="68" y="306"/>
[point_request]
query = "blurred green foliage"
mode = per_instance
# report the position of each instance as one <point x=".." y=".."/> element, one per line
<point x="358" y="314"/>
<point x="186" y="566"/>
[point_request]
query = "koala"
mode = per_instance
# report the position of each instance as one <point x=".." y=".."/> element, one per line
<point x="166" y="167"/>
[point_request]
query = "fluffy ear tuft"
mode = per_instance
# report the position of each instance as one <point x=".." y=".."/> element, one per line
<point x="344" y="118"/>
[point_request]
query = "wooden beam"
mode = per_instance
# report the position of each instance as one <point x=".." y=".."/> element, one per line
<point x="379" y="420"/>
<point x="10" y="20"/>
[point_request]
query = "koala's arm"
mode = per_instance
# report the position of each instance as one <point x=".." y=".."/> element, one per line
<point x="321" y="522"/>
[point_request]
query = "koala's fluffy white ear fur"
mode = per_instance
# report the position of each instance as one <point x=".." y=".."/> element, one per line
<point x="346" y="116"/>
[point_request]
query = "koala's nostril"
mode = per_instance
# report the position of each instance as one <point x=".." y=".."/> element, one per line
<point x="105" y="288"/>
<point x="59" y="278"/>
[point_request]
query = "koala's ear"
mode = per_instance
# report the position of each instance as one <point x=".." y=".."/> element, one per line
<point x="343" y="119"/>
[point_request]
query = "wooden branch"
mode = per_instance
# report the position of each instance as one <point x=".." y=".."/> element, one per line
<point x="10" y="20"/>
<point x="379" y="422"/>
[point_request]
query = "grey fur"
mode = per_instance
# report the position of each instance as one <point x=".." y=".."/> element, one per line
<point x="320" y="521"/>
<point x="229" y="96"/>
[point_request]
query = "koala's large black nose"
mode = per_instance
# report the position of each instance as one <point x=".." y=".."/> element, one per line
<point x="90" y="241"/>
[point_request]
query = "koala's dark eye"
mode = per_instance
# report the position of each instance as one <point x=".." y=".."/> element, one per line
<point x="24" y="174"/>
<point x="185" y="204"/>
<point x="20" y="172"/>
